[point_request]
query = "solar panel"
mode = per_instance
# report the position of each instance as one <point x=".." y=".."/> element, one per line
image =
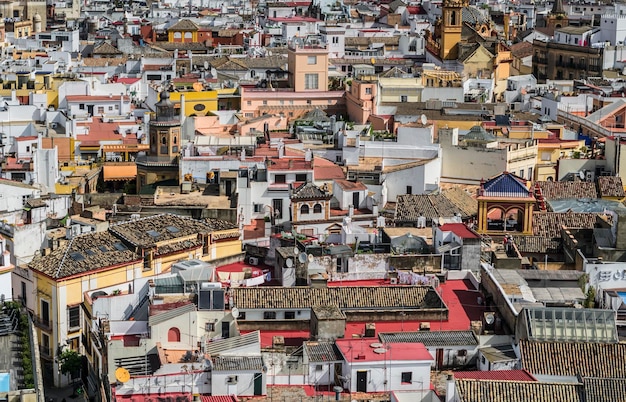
<point x="77" y="256"/>
<point x="153" y="233"/>
<point x="172" y="229"/>
<point x="90" y="252"/>
<point x="104" y="249"/>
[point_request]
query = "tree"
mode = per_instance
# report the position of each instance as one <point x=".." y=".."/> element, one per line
<point x="70" y="363"/>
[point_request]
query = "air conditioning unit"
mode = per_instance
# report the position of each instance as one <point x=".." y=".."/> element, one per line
<point x="53" y="125"/>
<point x="393" y="281"/>
<point x="231" y="379"/>
<point x="253" y="261"/>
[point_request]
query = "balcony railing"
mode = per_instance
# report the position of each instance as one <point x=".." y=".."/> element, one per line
<point x="45" y="351"/>
<point x="41" y="323"/>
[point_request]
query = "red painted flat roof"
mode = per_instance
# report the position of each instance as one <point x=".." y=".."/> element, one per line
<point x="361" y="351"/>
<point x="500" y="375"/>
<point x="458" y="295"/>
<point x="459" y="229"/>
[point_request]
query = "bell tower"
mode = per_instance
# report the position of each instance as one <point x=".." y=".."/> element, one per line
<point x="160" y="163"/>
<point x="452" y="25"/>
<point x="165" y="130"/>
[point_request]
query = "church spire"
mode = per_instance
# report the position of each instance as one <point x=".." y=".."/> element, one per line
<point x="557" y="7"/>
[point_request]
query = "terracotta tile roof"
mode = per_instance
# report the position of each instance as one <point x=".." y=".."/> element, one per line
<point x="322" y="351"/>
<point x="84" y="253"/>
<point x="537" y="244"/>
<point x="556" y="190"/>
<point x="431" y="338"/>
<point x="193" y="46"/>
<point x="184" y="25"/>
<point x="463" y="200"/>
<point x="351" y="185"/>
<point x="237" y="363"/>
<point x="604" y="389"/>
<point x="219" y="224"/>
<point x="518" y="391"/>
<point x="158" y="228"/>
<point x="522" y="49"/>
<point x="106" y="48"/>
<point x="610" y="186"/>
<point x="432" y="206"/>
<point x="587" y="359"/>
<point x="497" y="375"/>
<point x="309" y="191"/>
<point x="101" y="62"/>
<point x="382" y="297"/>
<point x="548" y="224"/>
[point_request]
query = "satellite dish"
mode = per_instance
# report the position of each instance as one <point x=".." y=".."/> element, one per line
<point x="373" y="60"/>
<point x="489" y="318"/>
<point x="235" y="312"/>
<point x="380" y="351"/>
<point x="289" y="263"/>
<point x="197" y="86"/>
<point x="122" y="375"/>
<point x="302" y="258"/>
<point x="206" y="65"/>
<point x="423" y="119"/>
<point x="296" y="251"/>
<point x="310" y="257"/>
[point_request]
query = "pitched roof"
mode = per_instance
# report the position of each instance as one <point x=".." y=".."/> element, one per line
<point x="556" y="190"/>
<point x="193" y="46"/>
<point x="548" y="224"/>
<point x="462" y="200"/>
<point x="504" y="185"/>
<point x="497" y="375"/>
<point x="322" y="351"/>
<point x="587" y="359"/>
<point x="382" y="297"/>
<point x="522" y="49"/>
<point x="518" y="391"/>
<point x="604" y="389"/>
<point x="106" y="48"/>
<point x="537" y="244"/>
<point x="610" y="186"/>
<point x="431" y="338"/>
<point x="309" y="191"/>
<point x="237" y="363"/>
<point x="432" y="206"/>
<point x="84" y="253"/>
<point x="184" y="25"/>
<point x="158" y="228"/>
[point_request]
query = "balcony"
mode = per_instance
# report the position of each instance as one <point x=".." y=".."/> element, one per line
<point x="41" y="323"/>
<point x="45" y="351"/>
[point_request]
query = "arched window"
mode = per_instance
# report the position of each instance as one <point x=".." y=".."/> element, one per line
<point x="173" y="335"/>
<point x="317" y="208"/>
<point x="163" y="140"/>
<point x="453" y="18"/>
<point x="174" y="140"/>
<point x="304" y="209"/>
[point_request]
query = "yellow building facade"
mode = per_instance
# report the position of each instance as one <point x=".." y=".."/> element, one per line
<point x="115" y="262"/>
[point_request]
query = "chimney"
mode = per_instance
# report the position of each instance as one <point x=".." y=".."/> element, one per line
<point x="351" y="211"/>
<point x="450" y="389"/>
<point x="182" y="108"/>
<point x="375" y="210"/>
<point x="243" y="154"/>
<point x="281" y="149"/>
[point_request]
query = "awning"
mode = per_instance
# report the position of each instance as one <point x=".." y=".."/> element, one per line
<point x="126" y="172"/>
